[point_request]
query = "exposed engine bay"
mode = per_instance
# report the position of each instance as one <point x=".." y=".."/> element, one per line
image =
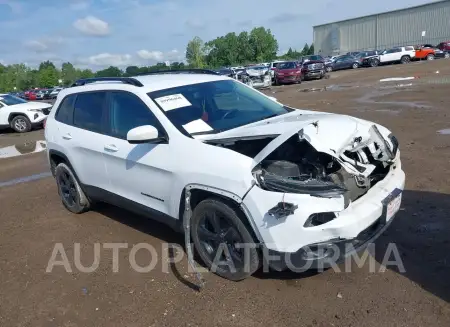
<point x="297" y="167"/>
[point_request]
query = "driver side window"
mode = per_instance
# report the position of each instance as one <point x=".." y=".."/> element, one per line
<point x="127" y="111"/>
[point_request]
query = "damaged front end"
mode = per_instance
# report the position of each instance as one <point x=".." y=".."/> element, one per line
<point x="257" y="77"/>
<point x="300" y="163"/>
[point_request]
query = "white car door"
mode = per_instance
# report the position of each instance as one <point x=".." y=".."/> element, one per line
<point x="388" y="56"/>
<point x="142" y="173"/>
<point x="80" y="135"/>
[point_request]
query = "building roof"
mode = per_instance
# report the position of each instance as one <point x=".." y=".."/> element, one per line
<point x="385" y="12"/>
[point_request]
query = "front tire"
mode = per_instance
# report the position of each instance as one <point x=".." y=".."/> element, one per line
<point x="329" y="69"/>
<point x="355" y="65"/>
<point x="21" y="124"/>
<point x="405" y="60"/>
<point x="447" y="55"/>
<point x="374" y="62"/>
<point x="72" y="196"/>
<point x="217" y="231"/>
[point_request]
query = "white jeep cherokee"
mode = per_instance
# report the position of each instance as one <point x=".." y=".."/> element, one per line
<point x="211" y="156"/>
<point x="20" y="114"/>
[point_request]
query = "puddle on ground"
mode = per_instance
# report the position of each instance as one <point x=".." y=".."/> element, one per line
<point x="25" y="179"/>
<point x="376" y="98"/>
<point x="445" y="131"/>
<point x="22" y="149"/>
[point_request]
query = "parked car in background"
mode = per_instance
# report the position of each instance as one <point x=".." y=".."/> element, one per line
<point x="369" y="58"/>
<point x="438" y="53"/>
<point x="257" y="76"/>
<point x="54" y="93"/>
<point x="444" y="46"/>
<point x="424" y="52"/>
<point x="20" y="114"/>
<point x="30" y="95"/>
<point x="344" y="62"/>
<point x="313" y="69"/>
<point x="305" y="59"/>
<point x="402" y="55"/>
<point x="40" y="94"/>
<point x="273" y="66"/>
<point x="227" y="72"/>
<point x="353" y="53"/>
<point x="288" y="72"/>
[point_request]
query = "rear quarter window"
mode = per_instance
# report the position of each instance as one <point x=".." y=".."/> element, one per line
<point x="88" y="111"/>
<point x="64" y="113"/>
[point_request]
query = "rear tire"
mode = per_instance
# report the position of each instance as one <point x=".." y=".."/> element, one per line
<point x="355" y="65"/>
<point x="21" y="124"/>
<point x="405" y="60"/>
<point x="216" y="226"/>
<point x="446" y="55"/>
<point x="72" y="196"/>
<point x="430" y="57"/>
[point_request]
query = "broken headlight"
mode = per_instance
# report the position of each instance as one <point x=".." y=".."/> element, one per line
<point x="320" y="187"/>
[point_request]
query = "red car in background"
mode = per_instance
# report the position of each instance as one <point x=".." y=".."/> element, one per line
<point x="31" y="94"/>
<point x="288" y="72"/>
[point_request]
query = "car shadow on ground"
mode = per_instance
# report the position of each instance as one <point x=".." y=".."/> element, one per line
<point x="420" y="231"/>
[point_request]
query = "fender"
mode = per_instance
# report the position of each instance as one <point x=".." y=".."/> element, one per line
<point x="13" y="114"/>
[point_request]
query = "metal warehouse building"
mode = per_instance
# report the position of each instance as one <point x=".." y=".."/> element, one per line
<point x="428" y="23"/>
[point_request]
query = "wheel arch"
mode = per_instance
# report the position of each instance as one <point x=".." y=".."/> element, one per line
<point x="200" y="192"/>
<point x="12" y="115"/>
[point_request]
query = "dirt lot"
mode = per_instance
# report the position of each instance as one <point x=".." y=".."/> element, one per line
<point x="32" y="220"/>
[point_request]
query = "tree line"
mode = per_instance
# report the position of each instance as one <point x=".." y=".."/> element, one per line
<point x="257" y="46"/>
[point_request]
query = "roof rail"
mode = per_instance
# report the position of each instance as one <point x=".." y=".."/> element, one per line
<point x="125" y="80"/>
<point x="181" y="71"/>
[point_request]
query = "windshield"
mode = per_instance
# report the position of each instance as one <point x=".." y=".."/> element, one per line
<point x="276" y="64"/>
<point x="214" y="107"/>
<point x="313" y="58"/>
<point x="11" y="100"/>
<point x="287" y="65"/>
<point x="257" y="67"/>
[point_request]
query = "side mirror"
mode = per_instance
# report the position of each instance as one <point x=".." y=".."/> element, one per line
<point x="143" y="134"/>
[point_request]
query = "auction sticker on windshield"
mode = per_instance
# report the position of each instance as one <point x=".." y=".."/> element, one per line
<point x="173" y="101"/>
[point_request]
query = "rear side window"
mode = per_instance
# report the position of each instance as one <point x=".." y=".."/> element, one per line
<point x="64" y="114"/>
<point x="88" y="111"/>
<point x="127" y="111"/>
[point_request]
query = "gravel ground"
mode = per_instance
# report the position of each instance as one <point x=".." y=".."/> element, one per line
<point x="32" y="220"/>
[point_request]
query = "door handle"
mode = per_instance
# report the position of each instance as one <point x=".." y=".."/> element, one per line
<point x="111" y="148"/>
<point x="67" y="136"/>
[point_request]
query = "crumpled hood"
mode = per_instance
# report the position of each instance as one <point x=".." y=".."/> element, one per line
<point x="30" y="105"/>
<point x="327" y="133"/>
<point x="257" y="72"/>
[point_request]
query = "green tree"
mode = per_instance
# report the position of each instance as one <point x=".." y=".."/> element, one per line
<point x="195" y="53"/>
<point x="46" y="64"/>
<point x="311" y="49"/>
<point x="48" y="76"/>
<point x="245" y="52"/>
<point x="263" y="43"/>
<point x="68" y="73"/>
<point x="132" y="70"/>
<point x="85" y="73"/>
<point x="305" y="50"/>
<point x="111" y="71"/>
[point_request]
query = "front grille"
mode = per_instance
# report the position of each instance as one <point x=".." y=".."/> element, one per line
<point x="315" y="66"/>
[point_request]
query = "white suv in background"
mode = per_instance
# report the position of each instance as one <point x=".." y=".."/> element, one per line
<point x="403" y="55"/>
<point x="21" y="115"/>
<point x="226" y="165"/>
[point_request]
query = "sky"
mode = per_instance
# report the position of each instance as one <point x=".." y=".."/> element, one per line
<point x="99" y="33"/>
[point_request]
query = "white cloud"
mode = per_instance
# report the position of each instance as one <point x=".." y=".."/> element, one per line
<point x="91" y="25"/>
<point x="151" y="55"/>
<point x="107" y="59"/>
<point x="44" y="44"/>
<point x="172" y="55"/>
<point x="79" y="5"/>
